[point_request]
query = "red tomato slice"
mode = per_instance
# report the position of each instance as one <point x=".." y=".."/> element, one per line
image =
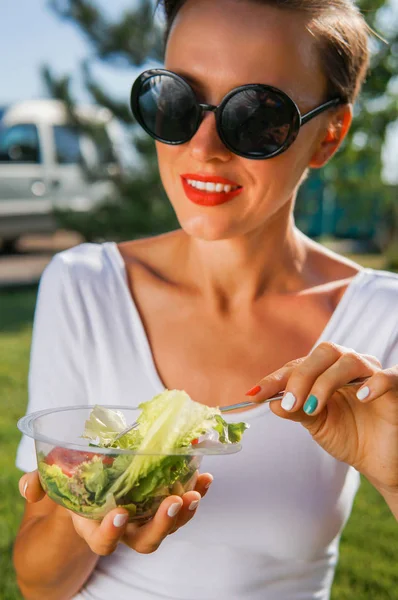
<point x="68" y="460"/>
<point x="195" y="441"/>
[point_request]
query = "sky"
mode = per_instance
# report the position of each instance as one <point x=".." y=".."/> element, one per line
<point x="31" y="35"/>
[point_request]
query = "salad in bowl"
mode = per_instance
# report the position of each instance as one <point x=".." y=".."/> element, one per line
<point x="83" y="467"/>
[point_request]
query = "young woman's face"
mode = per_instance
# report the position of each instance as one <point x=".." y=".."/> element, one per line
<point x="217" y="46"/>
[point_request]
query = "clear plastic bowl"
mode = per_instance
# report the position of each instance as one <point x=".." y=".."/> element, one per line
<point x="66" y="460"/>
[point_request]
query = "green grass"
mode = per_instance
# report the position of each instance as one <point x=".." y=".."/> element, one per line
<point x="368" y="552"/>
<point x="16" y="312"/>
<point x="369" y="548"/>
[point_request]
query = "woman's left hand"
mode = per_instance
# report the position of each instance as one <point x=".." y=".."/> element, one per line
<point x="357" y="426"/>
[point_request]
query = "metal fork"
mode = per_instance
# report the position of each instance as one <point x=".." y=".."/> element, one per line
<point x="225" y="409"/>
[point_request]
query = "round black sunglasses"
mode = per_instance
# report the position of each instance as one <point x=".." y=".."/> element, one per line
<point x="255" y="121"/>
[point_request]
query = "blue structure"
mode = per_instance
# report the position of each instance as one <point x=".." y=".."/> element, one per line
<point x="319" y="212"/>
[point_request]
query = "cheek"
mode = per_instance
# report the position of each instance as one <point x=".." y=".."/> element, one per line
<point x="269" y="184"/>
<point x="285" y="171"/>
<point x="164" y="160"/>
<point x="306" y="144"/>
<point x="168" y="157"/>
<point x="276" y="177"/>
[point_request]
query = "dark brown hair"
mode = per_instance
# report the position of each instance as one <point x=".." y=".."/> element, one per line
<point x="341" y="33"/>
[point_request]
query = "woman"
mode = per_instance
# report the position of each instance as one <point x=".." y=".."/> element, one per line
<point x="237" y="297"/>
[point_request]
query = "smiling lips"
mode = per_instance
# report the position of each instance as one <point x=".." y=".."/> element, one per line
<point x="207" y="190"/>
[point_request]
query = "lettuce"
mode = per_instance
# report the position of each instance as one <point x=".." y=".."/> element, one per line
<point x="57" y="482"/>
<point x="169" y="422"/>
<point x="104" y="425"/>
<point x="229" y="433"/>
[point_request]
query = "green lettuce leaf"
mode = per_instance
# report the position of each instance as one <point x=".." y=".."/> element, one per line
<point x="168" y="471"/>
<point x="94" y="476"/>
<point x="170" y="421"/>
<point x="104" y="425"/>
<point x="74" y="492"/>
<point x="229" y="433"/>
<point x="59" y="485"/>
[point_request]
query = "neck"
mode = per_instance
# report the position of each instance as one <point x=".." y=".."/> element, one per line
<point x="237" y="272"/>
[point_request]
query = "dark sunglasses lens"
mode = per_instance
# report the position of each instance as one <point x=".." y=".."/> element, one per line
<point x="257" y="122"/>
<point x="168" y="108"/>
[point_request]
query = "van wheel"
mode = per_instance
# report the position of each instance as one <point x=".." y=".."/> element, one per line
<point x="8" y="246"/>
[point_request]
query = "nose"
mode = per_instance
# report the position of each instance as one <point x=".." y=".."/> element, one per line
<point x="206" y="144"/>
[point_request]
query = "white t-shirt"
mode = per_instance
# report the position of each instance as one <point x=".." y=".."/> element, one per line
<point x="269" y="528"/>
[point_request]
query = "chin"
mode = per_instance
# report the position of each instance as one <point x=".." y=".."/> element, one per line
<point x="208" y="228"/>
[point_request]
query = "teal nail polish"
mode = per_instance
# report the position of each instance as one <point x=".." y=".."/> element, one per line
<point x="311" y="405"/>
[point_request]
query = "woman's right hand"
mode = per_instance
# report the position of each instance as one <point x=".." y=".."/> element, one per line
<point x="104" y="536"/>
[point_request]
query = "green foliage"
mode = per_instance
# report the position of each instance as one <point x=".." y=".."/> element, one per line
<point x="15" y="334"/>
<point x="120" y="109"/>
<point x="142" y="209"/>
<point x="127" y="42"/>
<point x="362" y="573"/>
<point x="392" y="256"/>
<point x="353" y="177"/>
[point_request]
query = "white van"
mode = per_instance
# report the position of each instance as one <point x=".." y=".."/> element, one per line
<point x="46" y="163"/>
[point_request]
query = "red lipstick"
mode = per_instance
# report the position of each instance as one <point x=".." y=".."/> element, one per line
<point x="205" y="197"/>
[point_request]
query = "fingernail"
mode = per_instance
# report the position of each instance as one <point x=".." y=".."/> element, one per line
<point x="209" y="484"/>
<point x="363" y="393"/>
<point x="254" y="391"/>
<point x="120" y="520"/>
<point x="25" y="487"/>
<point x="174" y="509"/>
<point x="311" y="405"/>
<point x="288" y="402"/>
<point x="193" y="505"/>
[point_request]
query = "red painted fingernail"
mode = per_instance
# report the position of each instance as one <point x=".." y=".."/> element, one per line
<point x="254" y="391"/>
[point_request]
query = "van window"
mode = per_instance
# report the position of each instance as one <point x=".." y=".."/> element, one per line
<point x="73" y="146"/>
<point x="103" y="143"/>
<point x="19" y="144"/>
<point x="67" y="146"/>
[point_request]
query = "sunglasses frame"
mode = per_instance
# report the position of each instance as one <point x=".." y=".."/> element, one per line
<point x="294" y="127"/>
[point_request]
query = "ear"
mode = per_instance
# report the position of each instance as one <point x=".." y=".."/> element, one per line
<point x="333" y="137"/>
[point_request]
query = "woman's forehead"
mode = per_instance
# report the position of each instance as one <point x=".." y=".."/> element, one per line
<point x="220" y="44"/>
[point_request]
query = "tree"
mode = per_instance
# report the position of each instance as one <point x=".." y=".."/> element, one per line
<point x="142" y="207"/>
<point x="352" y="180"/>
<point x="355" y="173"/>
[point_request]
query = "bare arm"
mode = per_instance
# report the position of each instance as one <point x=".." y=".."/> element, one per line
<point x="56" y="551"/>
<point x="52" y="561"/>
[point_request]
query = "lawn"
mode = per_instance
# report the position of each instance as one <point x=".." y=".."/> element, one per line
<point x="369" y="546"/>
<point x="16" y="311"/>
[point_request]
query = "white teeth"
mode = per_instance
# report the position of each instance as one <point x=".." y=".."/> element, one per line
<point x="211" y="187"/>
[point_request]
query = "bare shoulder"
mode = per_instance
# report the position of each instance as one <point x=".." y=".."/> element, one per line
<point x="334" y="264"/>
<point x="155" y="257"/>
<point x="332" y="269"/>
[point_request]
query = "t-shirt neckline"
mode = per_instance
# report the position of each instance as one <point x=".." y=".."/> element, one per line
<point x="328" y="331"/>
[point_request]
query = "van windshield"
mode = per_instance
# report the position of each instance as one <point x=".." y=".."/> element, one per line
<point x="72" y="146"/>
<point x="19" y="143"/>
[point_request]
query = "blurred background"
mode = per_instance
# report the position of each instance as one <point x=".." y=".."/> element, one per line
<point x="74" y="167"/>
